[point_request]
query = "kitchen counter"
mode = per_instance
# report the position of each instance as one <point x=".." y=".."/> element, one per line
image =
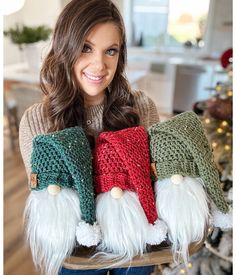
<point x="145" y="56"/>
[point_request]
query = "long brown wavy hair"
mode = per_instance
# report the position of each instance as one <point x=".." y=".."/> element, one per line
<point x="64" y="103"/>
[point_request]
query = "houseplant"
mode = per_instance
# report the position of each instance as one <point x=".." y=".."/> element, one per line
<point x="32" y="41"/>
<point x="21" y="35"/>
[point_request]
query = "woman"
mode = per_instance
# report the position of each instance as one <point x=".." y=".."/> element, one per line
<point x="84" y="84"/>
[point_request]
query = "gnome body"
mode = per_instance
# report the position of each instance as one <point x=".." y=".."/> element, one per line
<point x="187" y="180"/>
<point x="61" y="203"/>
<point x="125" y="203"/>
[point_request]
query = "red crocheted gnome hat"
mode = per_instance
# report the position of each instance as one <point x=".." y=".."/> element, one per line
<point x="122" y="159"/>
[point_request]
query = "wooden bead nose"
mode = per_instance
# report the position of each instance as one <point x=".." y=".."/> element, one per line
<point x="53" y="189"/>
<point x="177" y="179"/>
<point x="116" y="192"/>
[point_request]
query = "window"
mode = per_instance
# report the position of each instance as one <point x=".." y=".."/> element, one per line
<point x="169" y="23"/>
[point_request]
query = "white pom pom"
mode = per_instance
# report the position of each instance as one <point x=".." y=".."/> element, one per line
<point x="87" y="234"/>
<point x="157" y="233"/>
<point x="221" y="220"/>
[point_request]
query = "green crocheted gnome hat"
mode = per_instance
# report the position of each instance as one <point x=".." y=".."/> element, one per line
<point x="180" y="146"/>
<point x="64" y="159"/>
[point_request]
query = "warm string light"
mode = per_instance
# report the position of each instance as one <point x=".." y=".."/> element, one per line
<point x="210" y="229"/>
<point x="227" y="147"/>
<point x="224" y="91"/>
<point x="220" y="131"/>
<point x="224" y="123"/>
<point x="230" y="93"/>
<point x="214" y="144"/>
<point x="218" y="88"/>
<point x="207" y="121"/>
<point x="190" y="265"/>
<point x="183" y="270"/>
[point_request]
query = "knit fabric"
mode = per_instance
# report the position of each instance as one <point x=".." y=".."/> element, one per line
<point x="34" y="123"/>
<point x="121" y="159"/>
<point x="64" y="158"/>
<point x="180" y="146"/>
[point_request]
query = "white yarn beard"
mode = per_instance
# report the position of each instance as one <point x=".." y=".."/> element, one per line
<point x="184" y="208"/>
<point x="124" y="227"/>
<point x="50" y="223"/>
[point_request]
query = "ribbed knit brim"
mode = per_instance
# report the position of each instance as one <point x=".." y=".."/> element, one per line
<point x="64" y="158"/>
<point x="180" y="146"/>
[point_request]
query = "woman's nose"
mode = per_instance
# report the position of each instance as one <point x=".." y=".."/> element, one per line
<point x="99" y="62"/>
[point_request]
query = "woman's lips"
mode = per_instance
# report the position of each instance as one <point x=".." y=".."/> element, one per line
<point x="94" y="78"/>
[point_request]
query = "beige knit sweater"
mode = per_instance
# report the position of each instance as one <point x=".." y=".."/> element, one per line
<point x="33" y="123"/>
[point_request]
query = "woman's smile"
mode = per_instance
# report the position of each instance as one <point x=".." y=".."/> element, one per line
<point x="94" y="79"/>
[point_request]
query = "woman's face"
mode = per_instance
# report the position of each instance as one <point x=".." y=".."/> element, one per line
<point x="96" y="66"/>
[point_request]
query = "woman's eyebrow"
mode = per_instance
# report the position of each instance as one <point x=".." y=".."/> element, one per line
<point x="113" y="45"/>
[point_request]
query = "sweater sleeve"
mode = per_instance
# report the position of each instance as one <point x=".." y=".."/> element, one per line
<point x="146" y="108"/>
<point x="32" y="124"/>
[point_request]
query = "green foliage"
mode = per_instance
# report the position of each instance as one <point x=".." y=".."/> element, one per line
<point x="24" y="35"/>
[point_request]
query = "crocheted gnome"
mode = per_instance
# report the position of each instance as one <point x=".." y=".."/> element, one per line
<point x="61" y="204"/>
<point x="187" y="179"/>
<point x="125" y="205"/>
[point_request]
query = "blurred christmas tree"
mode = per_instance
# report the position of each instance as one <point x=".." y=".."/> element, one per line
<point x="215" y="258"/>
<point x="217" y="121"/>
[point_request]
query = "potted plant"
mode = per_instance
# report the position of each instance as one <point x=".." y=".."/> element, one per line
<point x="21" y="35"/>
<point x="30" y="40"/>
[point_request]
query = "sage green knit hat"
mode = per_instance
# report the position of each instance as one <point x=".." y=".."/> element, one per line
<point x="180" y="146"/>
<point x="63" y="158"/>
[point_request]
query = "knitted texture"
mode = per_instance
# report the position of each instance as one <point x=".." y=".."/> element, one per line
<point x="121" y="159"/>
<point x="180" y="146"/>
<point x="35" y="123"/>
<point x="64" y="158"/>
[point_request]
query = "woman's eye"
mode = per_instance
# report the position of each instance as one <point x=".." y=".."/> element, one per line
<point x="112" y="52"/>
<point x="86" y="49"/>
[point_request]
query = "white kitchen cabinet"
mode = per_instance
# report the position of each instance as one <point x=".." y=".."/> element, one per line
<point x="174" y="80"/>
<point x="191" y="85"/>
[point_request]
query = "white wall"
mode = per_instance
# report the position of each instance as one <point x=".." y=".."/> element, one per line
<point x="119" y="4"/>
<point x="34" y="12"/>
<point x="220" y="31"/>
